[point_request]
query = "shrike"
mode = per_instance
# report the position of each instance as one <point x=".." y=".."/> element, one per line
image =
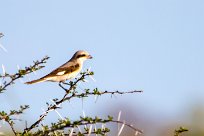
<point x="68" y="70"/>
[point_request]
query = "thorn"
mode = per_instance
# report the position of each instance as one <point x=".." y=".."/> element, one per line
<point x="44" y="112"/>
<point x="103" y="126"/>
<point x="96" y="98"/>
<point x="92" y="78"/>
<point x="59" y="114"/>
<point x="58" y="106"/>
<point x="18" y="67"/>
<point x="121" y="129"/>
<point x="89" y="69"/>
<point x="3" y="48"/>
<point x="72" y="130"/>
<point x="84" y="117"/>
<point x="119" y="115"/>
<point x="136" y="133"/>
<point x="90" y="129"/>
<point x="3" y="68"/>
<point x="79" y="129"/>
<point x="55" y="133"/>
<point x="84" y="114"/>
<point x="95" y="129"/>
<point x="85" y="80"/>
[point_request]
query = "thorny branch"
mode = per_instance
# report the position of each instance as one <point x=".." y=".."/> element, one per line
<point x="53" y="107"/>
<point x="7" y="117"/>
<point x="12" y="127"/>
<point x="84" y="121"/>
<point x="89" y="121"/>
<point x="96" y="92"/>
<point x="96" y="132"/>
<point x="10" y="79"/>
<point x="21" y="73"/>
<point x="70" y="93"/>
<point x="74" y="94"/>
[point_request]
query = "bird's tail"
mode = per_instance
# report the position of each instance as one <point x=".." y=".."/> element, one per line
<point x="36" y="81"/>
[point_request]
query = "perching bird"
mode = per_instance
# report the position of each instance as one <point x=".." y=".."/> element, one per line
<point x="68" y="70"/>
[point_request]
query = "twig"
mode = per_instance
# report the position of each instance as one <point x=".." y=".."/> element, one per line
<point x="74" y="95"/>
<point x="12" y="127"/>
<point x="66" y="97"/>
<point x="88" y="121"/>
<point x="72" y="87"/>
<point x="128" y="125"/>
<point x="53" y="107"/>
<point x="9" y="120"/>
<point x="22" y="72"/>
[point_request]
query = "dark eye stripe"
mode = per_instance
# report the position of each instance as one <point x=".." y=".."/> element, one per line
<point x="79" y="56"/>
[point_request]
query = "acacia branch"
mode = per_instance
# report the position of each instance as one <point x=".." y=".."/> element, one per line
<point x="86" y="94"/>
<point x="22" y="72"/>
<point x="7" y="117"/>
<point x="73" y="94"/>
<point x="72" y="87"/>
<point x="53" y="107"/>
<point x="10" y="122"/>
<point x="66" y="123"/>
<point x="96" y="132"/>
<point x="12" y="127"/>
<point x="102" y="132"/>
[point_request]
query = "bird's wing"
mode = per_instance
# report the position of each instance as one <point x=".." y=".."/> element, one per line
<point x="72" y="67"/>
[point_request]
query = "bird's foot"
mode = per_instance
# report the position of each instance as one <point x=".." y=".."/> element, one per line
<point x="60" y="84"/>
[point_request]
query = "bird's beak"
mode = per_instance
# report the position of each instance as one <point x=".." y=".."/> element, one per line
<point x="90" y="57"/>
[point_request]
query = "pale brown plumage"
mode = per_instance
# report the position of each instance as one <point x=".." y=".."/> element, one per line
<point x="67" y="71"/>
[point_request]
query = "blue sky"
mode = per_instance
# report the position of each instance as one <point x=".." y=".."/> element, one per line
<point x="156" y="46"/>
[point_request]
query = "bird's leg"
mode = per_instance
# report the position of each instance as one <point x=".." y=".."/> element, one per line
<point x="62" y="86"/>
<point x="65" y="83"/>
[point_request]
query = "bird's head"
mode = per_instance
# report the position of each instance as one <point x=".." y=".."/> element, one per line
<point x="82" y="55"/>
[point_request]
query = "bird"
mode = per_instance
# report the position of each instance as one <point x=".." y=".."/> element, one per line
<point x="67" y="71"/>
